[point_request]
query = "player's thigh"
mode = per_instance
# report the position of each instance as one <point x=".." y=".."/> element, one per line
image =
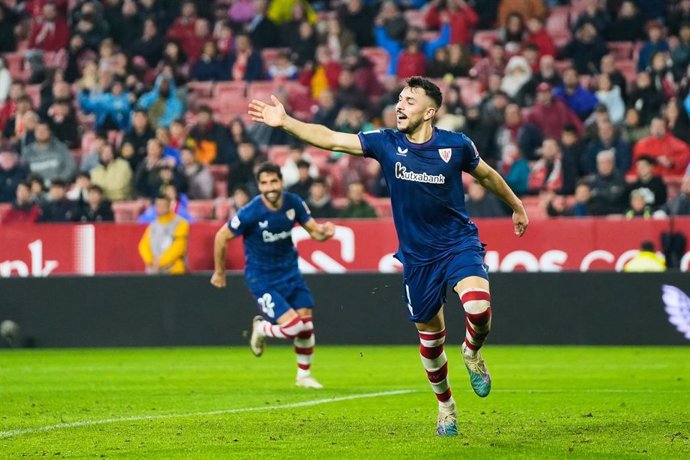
<point x="424" y="291"/>
<point x="299" y="295"/>
<point x="271" y="302"/>
<point x="467" y="270"/>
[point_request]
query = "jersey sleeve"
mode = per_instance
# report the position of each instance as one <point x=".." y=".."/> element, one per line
<point x="240" y="222"/>
<point x="371" y="143"/>
<point x="302" y="211"/>
<point x="470" y="158"/>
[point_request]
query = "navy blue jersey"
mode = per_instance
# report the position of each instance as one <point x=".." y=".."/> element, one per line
<point x="269" y="254"/>
<point x="427" y="196"/>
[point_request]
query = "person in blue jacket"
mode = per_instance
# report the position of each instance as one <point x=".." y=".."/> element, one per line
<point x="162" y="103"/>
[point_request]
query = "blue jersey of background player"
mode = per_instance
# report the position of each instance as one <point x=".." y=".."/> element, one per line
<point x="438" y="242"/>
<point x="271" y="270"/>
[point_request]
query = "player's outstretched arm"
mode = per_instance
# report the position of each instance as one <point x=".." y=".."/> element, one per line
<point x="220" y="244"/>
<point x="492" y="180"/>
<point x="319" y="232"/>
<point x="274" y="115"/>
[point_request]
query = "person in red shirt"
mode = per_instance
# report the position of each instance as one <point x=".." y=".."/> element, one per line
<point x="671" y="154"/>
<point x="23" y="210"/>
<point x="537" y="34"/>
<point x="461" y="17"/>
<point x="49" y="32"/>
<point x="411" y="61"/>
<point x="551" y="114"/>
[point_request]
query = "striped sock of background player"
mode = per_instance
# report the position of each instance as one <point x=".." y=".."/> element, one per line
<point x="282" y="331"/>
<point x="304" y="347"/>
<point x="436" y="365"/>
<point x="477" y="305"/>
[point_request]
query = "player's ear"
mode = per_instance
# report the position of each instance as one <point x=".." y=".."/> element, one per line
<point x="430" y="113"/>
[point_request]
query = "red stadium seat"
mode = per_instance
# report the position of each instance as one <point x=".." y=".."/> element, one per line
<point x="219" y="172"/>
<point x="621" y="50"/>
<point x="629" y="70"/>
<point x="470" y="90"/>
<point x="379" y="57"/>
<point x="261" y="90"/>
<point x="222" y="209"/>
<point x="485" y="38"/>
<point x="558" y="20"/>
<point x="202" y="88"/>
<point x="230" y="89"/>
<point x="415" y="18"/>
<point x="128" y="211"/>
<point x="268" y="55"/>
<point x="34" y="92"/>
<point x="278" y="154"/>
<point x="15" y="64"/>
<point x="201" y="209"/>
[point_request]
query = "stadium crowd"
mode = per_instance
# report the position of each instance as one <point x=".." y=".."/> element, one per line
<point x="583" y="106"/>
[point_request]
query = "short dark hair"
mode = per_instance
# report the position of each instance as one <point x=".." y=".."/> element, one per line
<point x="429" y="87"/>
<point x="95" y="188"/>
<point x="303" y="164"/>
<point x="268" y="167"/>
<point x="58" y="183"/>
<point x="647" y="246"/>
<point x="646" y="157"/>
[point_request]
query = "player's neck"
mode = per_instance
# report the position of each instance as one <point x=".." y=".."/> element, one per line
<point x="421" y="135"/>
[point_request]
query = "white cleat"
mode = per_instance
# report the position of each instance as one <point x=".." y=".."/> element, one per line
<point x="308" y="382"/>
<point x="447" y="423"/>
<point x="257" y="340"/>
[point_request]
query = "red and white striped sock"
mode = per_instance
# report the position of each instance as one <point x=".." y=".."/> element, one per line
<point x="477" y="305"/>
<point x="282" y="331"/>
<point x="304" y="347"/>
<point x="436" y="364"/>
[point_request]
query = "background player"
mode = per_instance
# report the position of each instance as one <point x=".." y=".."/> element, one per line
<point x="271" y="270"/>
<point x="439" y="244"/>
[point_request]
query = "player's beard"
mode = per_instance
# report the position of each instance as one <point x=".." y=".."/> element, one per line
<point x="273" y="197"/>
<point x="412" y="125"/>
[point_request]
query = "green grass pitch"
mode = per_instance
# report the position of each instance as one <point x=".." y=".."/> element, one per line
<point x="555" y="402"/>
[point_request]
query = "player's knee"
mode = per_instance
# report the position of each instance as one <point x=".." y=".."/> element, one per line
<point x="294" y="328"/>
<point x="475" y="300"/>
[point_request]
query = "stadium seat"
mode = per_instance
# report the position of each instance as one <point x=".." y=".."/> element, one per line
<point x="558" y="20"/>
<point x="201" y="210"/>
<point x="15" y="64"/>
<point x="485" y="38"/>
<point x="629" y="70"/>
<point x="261" y="90"/>
<point x="415" y="18"/>
<point x="202" y="88"/>
<point x="268" y="55"/>
<point x="221" y="210"/>
<point x="221" y="189"/>
<point x="621" y="50"/>
<point x="278" y="154"/>
<point x="219" y="172"/>
<point x="128" y="211"/>
<point x="379" y="57"/>
<point x="382" y="206"/>
<point x="34" y="92"/>
<point x="470" y="90"/>
<point x="230" y="89"/>
<point x="534" y="206"/>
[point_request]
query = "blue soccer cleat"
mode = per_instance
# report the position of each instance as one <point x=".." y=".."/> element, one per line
<point x="447" y="424"/>
<point x="479" y="374"/>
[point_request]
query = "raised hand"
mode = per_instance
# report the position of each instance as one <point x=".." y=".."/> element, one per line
<point x="271" y="115"/>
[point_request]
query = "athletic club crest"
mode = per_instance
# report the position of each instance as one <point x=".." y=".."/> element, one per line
<point x="445" y="154"/>
<point x="290" y="213"/>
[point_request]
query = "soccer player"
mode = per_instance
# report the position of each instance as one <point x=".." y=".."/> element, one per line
<point x="271" y="269"/>
<point x="439" y="244"/>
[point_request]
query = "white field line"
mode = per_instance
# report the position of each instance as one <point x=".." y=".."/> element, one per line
<point x="139" y="418"/>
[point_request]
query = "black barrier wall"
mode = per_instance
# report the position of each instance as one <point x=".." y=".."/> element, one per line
<point x="529" y="308"/>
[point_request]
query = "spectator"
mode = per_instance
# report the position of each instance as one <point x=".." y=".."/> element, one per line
<point x="137" y="137"/>
<point x="671" y="154"/>
<point x="358" y="17"/>
<point x="240" y="197"/>
<point x="28" y="137"/>
<point x="290" y="170"/>
<point x="161" y="103"/>
<point x="411" y="61"/>
<point x="23" y="209"/>
<point x="608" y="67"/>
<point x="596" y="14"/>
<point x="5" y="81"/>
<point x="319" y="200"/>
<point x="242" y="170"/>
<point x="183" y="28"/>
<point x="58" y="208"/>
<point x="514" y="168"/>
<point x="680" y="205"/>
<point x="493" y="64"/>
<point x="655" y="43"/>
<point x="525" y="8"/>
<point x="9" y="107"/>
<point x="49" y="32"/>
<point x="357" y="207"/>
<point x="678" y="16"/>
<point x="638" y="206"/>
<point x="585" y="49"/>
<point x="461" y="17"/>
<point x="633" y="130"/>
<point x="303" y="45"/>
<point x="547" y="74"/>
<point x="304" y="180"/>
<point x="14" y="127"/>
<point x="482" y="132"/>
<point x="650" y="186"/>
<point x="241" y="12"/>
<point x="414" y="34"/>
<point x="516" y="130"/>
<point x="79" y="190"/>
<point x="393" y="21"/>
<point x="90" y="159"/>
<point x="163" y="247"/>
<point x="282" y="69"/>
<point x="263" y="32"/>
<point x="125" y="23"/>
<point x="199" y="178"/>
<point x="245" y="62"/>
<point x="38" y="190"/>
<point x="538" y="35"/>
<point x="194" y="45"/>
<point x="8" y="21"/>
<point x="96" y="208"/>
<point x="611" y="97"/>
<point x="78" y="54"/>
<point x="628" y="25"/>
<point x="480" y="204"/>
<point x="349" y="94"/>
<point x="517" y="74"/>
<point x="646" y="260"/>
<point x="112" y="108"/>
<point x="113" y="175"/>
<point x="557" y="206"/>
<point x="63" y="122"/>
<point x="547" y="173"/>
<point x="459" y="60"/>
<point x="149" y="45"/>
<point x="49" y="157"/>
<point x="179" y="202"/>
<point x="677" y="120"/>
<point x="513" y="33"/>
<point x="661" y="72"/>
<point x="211" y="140"/>
<point x="323" y="74"/>
<point x="607" y="185"/>
<point x="11" y="172"/>
<point x="680" y="54"/>
<point x="338" y="39"/>
<point x="606" y="139"/>
<point x="551" y="114"/>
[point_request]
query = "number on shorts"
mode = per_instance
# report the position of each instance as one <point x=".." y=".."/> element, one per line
<point x="267" y="305"/>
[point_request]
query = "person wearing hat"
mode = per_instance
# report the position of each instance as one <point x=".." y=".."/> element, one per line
<point x="551" y="114"/>
<point x="11" y="172"/>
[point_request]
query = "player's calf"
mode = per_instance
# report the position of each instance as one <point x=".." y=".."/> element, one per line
<point x="435" y="364"/>
<point x="477" y="305"/>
